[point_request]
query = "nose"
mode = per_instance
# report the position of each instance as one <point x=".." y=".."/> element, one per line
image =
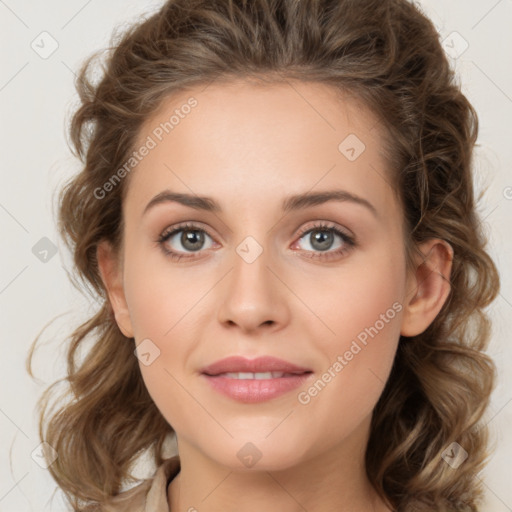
<point x="254" y="295"/>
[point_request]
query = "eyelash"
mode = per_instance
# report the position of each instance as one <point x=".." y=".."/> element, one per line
<point x="349" y="241"/>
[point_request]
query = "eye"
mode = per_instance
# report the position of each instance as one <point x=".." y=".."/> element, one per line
<point x="321" y="238"/>
<point x="192" y="239"/>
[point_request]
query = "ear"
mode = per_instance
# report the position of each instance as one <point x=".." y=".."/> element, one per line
<point x="428" y="286"/>
<point x="112" y="277"/>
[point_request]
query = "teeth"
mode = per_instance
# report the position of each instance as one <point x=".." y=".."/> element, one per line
<point x="257" y="376"/>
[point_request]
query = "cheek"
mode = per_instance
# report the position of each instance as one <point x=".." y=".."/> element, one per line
<point x="364" y="295"/>
<point x="158" y="295"/>
<point x="351" y="383"/>
<point x="162" y="306"/>
<point x="363" y="311"/>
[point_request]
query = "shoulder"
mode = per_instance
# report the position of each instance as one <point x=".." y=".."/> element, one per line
<point x="149" y="496"/>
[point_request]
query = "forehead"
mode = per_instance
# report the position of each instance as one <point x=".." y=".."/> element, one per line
<point x="247" y="103"/>
<point x="246" y="139"/>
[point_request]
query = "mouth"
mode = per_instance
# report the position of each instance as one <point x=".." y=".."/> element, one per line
<point x="257" y="375"/>
<point x="264" y="365"/>
<point x="256" y="380"/>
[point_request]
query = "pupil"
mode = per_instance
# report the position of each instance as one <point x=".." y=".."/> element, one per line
<point x="323" y="239"/>
<point x="192" y="239"/>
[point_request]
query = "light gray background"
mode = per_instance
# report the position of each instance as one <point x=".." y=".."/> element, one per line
<point x="36" y="97"/>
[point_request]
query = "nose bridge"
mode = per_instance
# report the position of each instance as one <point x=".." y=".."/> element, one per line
<point x="251" y="274"/>
<point x="252" y="236"/>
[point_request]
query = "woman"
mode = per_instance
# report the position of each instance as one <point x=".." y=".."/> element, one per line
<point x="276" y="210"/>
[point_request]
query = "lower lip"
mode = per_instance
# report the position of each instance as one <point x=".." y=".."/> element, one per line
<point x="256" y="390"/>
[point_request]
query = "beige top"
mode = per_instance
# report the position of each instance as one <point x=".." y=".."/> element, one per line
<point x="151" y="494"/>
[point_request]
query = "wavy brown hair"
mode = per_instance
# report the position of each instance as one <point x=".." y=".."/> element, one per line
<point x="386" y="53"/>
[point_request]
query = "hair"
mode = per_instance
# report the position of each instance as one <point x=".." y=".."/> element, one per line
<point x="386" y="53"/>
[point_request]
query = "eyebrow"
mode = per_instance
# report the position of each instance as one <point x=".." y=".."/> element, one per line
<point x="291" y="203"/>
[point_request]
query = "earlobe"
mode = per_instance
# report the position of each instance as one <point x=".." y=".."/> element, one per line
<point x="111" y="275"/>
<point x="428" y="287"/>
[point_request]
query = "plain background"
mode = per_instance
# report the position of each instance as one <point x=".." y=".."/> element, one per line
<point x="37" y="97"/>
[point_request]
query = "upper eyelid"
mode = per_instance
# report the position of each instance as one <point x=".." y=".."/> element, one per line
<point x="326" y="225"/>
<point x="191" y="225"/>
<point x="182" y="227"/>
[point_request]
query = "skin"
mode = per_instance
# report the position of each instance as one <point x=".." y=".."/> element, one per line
<point x="248" y="147"/>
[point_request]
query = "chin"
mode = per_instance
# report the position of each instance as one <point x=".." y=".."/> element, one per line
<point x="256" y="454"/>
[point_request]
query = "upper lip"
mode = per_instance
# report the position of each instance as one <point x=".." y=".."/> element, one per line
<point x="235" y="364"/>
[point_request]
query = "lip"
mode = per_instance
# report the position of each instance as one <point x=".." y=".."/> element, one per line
<point x="260" y="364"/>
<point x="254" y="390"/>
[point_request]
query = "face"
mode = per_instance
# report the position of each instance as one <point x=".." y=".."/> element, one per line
<point x="319" y="284"/>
